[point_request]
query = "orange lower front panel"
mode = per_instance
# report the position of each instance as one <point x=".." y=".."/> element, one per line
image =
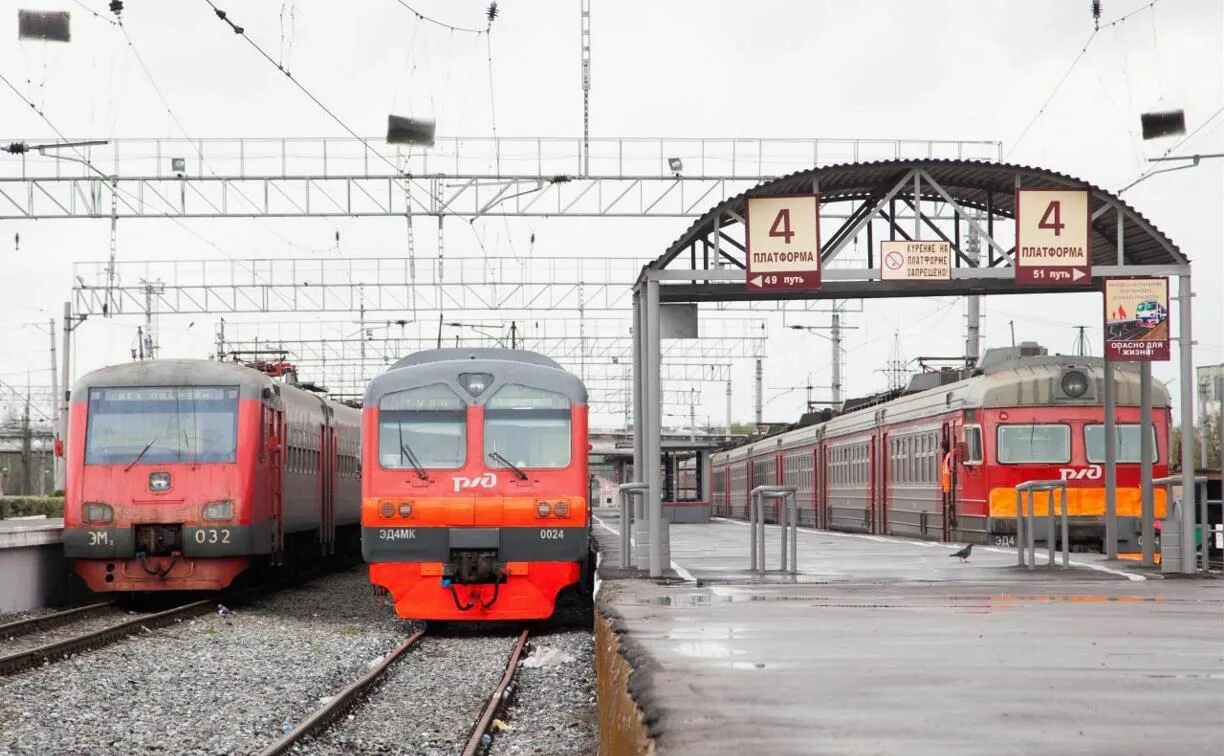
<point x="527" y="594"/>
<point x="159" y="573"/>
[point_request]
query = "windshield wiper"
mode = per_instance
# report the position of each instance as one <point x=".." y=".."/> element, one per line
<point x="497" y="457"/>
<point x="406" y="453"/>
<point x="141" y="454"/>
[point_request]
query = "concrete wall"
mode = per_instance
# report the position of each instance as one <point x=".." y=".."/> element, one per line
<point x="32" y="577"/>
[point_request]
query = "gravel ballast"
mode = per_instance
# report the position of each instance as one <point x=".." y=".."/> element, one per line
<point x="217" y="684"/>
<point x="88" y="624"/>
<point x="554" y="709"/>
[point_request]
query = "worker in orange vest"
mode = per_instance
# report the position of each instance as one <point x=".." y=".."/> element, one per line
<point x="945" y="469"/>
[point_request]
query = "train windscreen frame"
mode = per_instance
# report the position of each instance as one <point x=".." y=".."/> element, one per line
<point x="147" y="425"/>
<point x="1128" y="443"/>
<point x="528" y="427"/>
<point x="1033" y="444"/>
<point x="426" y="423"/>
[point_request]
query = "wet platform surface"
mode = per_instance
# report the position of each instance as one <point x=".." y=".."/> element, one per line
<point x="20" y="532"/>
<point x="886" y="645"/>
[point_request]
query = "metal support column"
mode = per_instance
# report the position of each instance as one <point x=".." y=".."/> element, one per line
<point x="638" y="373"/>
<point x="759" y="396"/>
<point x="63" y="399"/>
<point x="1111" y="461"/>
<point x="1186" y="383"/>
<point x="1148" y="511"/>
<point x="835" y="337"/>
<point x="727" y="435"/>
<point x="653" y="429"/>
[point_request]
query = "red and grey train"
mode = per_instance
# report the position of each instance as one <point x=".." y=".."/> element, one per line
<point x="475" y="485"/>
<point x="1022" y="415"/>
<point x="183" y="474"/>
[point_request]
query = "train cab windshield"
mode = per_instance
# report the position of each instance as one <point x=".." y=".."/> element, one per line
<point x="527" y="427"/>
<point x="1128" y="443"/>
<point x="160" y="425"/>
<point x="1034" y="444"/>
<point x="422" y="428"/>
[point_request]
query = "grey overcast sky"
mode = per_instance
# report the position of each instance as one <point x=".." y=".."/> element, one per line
<point x="929" y="69"/>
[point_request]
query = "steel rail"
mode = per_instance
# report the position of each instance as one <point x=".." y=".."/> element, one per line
<point x="497" y="700"/>
<point x="339" y="703"/>
<point x="16" y="662"/>
<point x="48" y="621"/>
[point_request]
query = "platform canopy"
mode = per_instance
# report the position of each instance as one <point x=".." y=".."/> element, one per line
<point x="877" y="199"/>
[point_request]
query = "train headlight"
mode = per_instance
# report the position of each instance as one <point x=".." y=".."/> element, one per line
<point x="159" y="481"/>
<point x="94" y="512"/>
<point x="1074" y="384"/>
<point x="475" y="383"/>
<point x="561" y="509"/>
<point x="219" y="510"/>
<point x="405" y="509"/>
<point x="387" y="509"/>
<point x="543" y="508"/>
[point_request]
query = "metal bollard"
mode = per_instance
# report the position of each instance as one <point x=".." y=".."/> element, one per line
<point x="1019" y="527"/>
<point x="627" y="491"/>
<point x="1031" y="527"/>
<point x="1066" y="530"/>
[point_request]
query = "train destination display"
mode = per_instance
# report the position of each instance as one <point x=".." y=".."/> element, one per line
<point x="915" y="261"/>
<point x="783" y="242"/>
<point x="1137" y="319"/>
<point x="1052" y="237"/>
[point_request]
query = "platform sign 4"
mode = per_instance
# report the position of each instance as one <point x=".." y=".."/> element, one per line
<point x="783" y="242"/>
<point x="1053" y="237"/>
<point x="1137" y="319"/>
<point x="915" y="261"/>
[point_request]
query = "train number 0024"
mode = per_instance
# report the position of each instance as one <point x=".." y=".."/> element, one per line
<point x="551" y="534"/>
<point x="212" y="535"/>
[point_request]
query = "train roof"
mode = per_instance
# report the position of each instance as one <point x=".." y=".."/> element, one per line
<point x="507" y="366"/>
<point x="1026" y="381"/>
<point x="474" y="353"/>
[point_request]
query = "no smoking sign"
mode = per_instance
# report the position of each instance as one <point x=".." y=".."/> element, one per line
<point x="915" y="261"/>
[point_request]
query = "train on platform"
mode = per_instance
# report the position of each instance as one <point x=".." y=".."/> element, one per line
<point x="475" y="486"/>
<point x="1020" y="415"/>
<point x="183" y="475"/>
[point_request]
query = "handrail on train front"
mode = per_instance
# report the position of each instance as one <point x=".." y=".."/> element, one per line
<point x="1200" y="487"/>
<point x="1026" y="534"/>
<point x="626" y="492"/>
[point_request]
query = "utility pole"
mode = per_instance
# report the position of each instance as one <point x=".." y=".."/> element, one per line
<point x="835" y="334"/>
<point x="26" y="488"/>
<point x="727" y="437"/>
<point x="55" y="412"/>
<point x="1082" y="348"/>
<point x="973" y="326"/>
<point x="1012" y="325"/>
<point x="759" y="397"/>
<point x="221" y="340"/>
<point x="149" y="345"/>
<point x="586" y="87"/>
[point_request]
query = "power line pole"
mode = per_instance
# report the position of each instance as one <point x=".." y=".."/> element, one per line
<point x="26" y="488"/>
<point x="973" y="329"/>
<point x="759" y="398"/>
<point x="55" y="412"/>
<point x="1082" y="347"/>
<point x="835" y="334"/>
<point x="586" y="87"/>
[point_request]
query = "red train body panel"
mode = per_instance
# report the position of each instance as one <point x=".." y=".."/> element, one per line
<point x="878" y="469"/>
<point x="475" y="484"/>
<point x="183" y="474"/>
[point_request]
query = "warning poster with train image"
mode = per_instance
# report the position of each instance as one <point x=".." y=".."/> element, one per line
<point x="1137" y="319"/>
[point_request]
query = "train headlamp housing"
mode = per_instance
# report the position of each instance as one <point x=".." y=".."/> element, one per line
<point x="219" y="510"/>
<point x="159" y="481"/>
<point x="543" y="509"/>
<point x="405" y="509"/>
<point x="386" y="509"/>
<point x="1074" y="384"/>
<point x="97" y="512"/>
<point x="475" y="383"/>
<point x="561" y="509"/>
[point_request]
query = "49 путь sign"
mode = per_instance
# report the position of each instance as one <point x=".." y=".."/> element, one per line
<point x="783" y="249"/>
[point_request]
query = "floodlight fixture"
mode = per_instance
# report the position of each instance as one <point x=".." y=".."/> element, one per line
<point x="402" y="130"/>
<point x="178" y="165"/>
<point x="49" y="26"/>
<point x="1168" y="123"/>
<point x="676" y="165"/>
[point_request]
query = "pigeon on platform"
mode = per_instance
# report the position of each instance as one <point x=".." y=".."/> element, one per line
<point x="963" y="553"/>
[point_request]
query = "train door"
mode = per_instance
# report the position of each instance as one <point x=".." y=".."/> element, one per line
<point x="947" y="498"/>
<point x="273" y="432"/>
<point x="881" y="481"/>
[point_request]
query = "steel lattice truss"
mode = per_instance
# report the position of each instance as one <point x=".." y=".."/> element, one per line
<point x="470" y="177"/>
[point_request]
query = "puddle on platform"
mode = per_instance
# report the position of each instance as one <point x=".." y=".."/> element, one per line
<point x="1190" y="676"/>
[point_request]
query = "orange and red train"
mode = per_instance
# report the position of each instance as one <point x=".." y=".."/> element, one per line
<point x="475" y="485"/>
<point x="184" y="474"/>
<point x="1022" y="415"/>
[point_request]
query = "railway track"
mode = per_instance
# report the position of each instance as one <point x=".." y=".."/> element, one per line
<point x="48" y="621"/>
<point x="16" y="662"/>
<point x="323" y="717"/>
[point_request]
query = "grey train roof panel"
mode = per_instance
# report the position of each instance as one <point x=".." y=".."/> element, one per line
<point x="174" y="373"/>
<point x="476" y="353"/>
<point x="969" y="182"/>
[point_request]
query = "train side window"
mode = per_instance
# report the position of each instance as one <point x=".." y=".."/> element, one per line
<point x="973" y="445"/>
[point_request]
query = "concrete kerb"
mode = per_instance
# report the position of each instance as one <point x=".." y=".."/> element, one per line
<point x="630" y="717"/>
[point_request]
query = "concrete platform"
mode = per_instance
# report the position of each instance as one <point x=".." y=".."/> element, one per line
<point x="33" y="572"/>
<point x="885" y="645"/>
